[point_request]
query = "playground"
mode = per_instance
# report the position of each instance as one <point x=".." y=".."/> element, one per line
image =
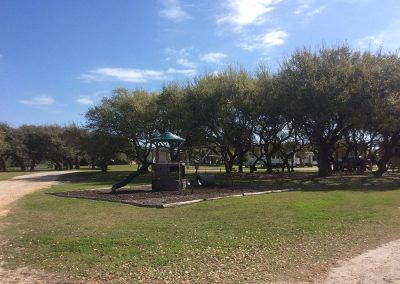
<point x="245" y="227"/>
<point x="173" y="184"/>
<point x="251" y="226"/>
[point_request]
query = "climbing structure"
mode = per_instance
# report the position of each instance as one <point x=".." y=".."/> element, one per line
<point x="168" y="172"/>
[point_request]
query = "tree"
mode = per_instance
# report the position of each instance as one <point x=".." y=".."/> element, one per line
<point x="324" y="88"/>
<point x="4" y="146"/>
<point x="269" y="119"/>
<point x="132" y="116"/>
<point x="36" y="141"/>
<point x="383" y="89"/>
<point x="103" y="148"/>
<point x="222" y="112"/>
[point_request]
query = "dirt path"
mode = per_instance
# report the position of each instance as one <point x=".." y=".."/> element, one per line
<point x="10" y="191"/>
<point x="14" y="188"/>
<point x="380" y="265"/>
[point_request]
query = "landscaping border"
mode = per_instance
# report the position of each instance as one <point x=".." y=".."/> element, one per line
<point x="172" y="204"/>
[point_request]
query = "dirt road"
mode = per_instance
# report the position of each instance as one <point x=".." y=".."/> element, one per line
<point x="15" y="188"/>
<point x="10" y="191"/>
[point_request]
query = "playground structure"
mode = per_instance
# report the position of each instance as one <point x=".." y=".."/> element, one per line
<point x="168" y="172"/>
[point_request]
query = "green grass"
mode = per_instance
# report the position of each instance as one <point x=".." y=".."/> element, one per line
<point x="282" y="236"/>
<point x="8" y="175"/>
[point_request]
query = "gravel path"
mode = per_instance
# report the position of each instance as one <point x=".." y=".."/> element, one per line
<point x="10" y="191"/>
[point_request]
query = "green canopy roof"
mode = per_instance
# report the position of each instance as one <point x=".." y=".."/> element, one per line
<point x="167" y="137"/>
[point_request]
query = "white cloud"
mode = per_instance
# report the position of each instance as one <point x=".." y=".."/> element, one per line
<point x="39" y="101"/>
<point x="268" y="40"/>
<point x="131" y="75"/>
<point x="307" y="9"/>
<point x="122" y="74"/>
<point x="242" y="13"/>
<point x="303" y="5"/>
<point x="389" y="38"/>
<point x="186" y="63"/>
<point x="316" y="11"/>
<point x="187" y="72"/>
<point x="213" y="57"/>
<point x="172" y="10"/>
<point x="84" y="101"/>
<point x="274" y="38"/>
<point x="91" y="99"/>
<point x="183" y="52"/>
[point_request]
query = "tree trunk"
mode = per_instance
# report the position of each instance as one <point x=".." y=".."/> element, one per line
<point x="2" y="165"/>
<point x="292" y="164"/>
<point x="269" y="163"/>
<point x="228" y="166"/>
<point x="103" y="167"/>
<point x="382" y="164"/>
<point x="324" y="164"/>
<point x="240" y="160"/>
<point x="20" y="162"/>
<point x="32" y="167"/>
<point x="142" y="162"/>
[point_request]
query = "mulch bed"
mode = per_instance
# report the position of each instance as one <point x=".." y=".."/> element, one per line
<point x="144" y="197"/>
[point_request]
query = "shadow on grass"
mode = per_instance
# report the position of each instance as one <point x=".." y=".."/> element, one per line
<point x="275" y="181"/>
<point x="312" y="182"/>
<point x="98" y="177"/>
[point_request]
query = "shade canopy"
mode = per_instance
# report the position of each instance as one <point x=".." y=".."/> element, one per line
<point x="167" y="137"/>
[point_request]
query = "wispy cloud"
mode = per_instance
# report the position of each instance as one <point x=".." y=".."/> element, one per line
<point x="307" y="9"/>
<point x="186" y="63"/>
<point x="131" y="75"/>
<point x="122" y="74"/>
<point x="85" y="101"/>
<point x="274" y="38"/>
<point x="389" y="38"/>
<point x="247" y="20"/>
<point x="172" y="10"/>
<point x="39" y="101"/>
<point x="268" y="40"/>
<point x="91" y="99"/>
<point x="187" y="72"/>
<point x="241" y="13"/>
<point x="302" y="6"/>
<point x="213" y="57"/>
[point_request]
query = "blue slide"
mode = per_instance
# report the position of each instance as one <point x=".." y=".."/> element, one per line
<point x="129" y="178"/>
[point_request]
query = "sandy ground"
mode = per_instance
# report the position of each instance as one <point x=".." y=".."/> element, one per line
<point x="10" y="191"/>
<point x="380" y="265"/>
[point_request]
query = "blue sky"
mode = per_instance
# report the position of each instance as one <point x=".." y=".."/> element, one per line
<point x="57" y="58"/>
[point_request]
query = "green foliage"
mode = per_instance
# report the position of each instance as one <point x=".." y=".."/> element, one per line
<point x="331" y="100"/>
<point x="132" y="116"/>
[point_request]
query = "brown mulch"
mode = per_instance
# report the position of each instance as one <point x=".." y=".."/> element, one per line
<point x="143" y="196"/>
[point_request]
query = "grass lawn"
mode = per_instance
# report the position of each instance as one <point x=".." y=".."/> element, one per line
<point x="8" y="175"/>
<point x="15" y="171"/>
<point x="286" y="236"/>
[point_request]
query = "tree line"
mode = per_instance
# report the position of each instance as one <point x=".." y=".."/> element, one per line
<point x="328" y="101"/>
<point x="67" y="147"/>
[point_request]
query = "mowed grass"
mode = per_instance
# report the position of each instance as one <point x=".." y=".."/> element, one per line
<point x="11" y="174"/>
<point x="287" y="236"/>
